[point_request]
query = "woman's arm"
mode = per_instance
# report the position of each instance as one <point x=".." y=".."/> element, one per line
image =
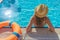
<point x="50" y="26"/>
<point x="30" y="25"/>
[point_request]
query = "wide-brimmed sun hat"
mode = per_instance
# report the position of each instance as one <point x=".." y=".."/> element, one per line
<point x="41" y="11"/>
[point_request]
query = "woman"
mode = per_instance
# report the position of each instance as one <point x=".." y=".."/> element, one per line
<point x="40" y="19"/>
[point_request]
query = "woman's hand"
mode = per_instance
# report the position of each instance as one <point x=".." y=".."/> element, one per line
<point x="28" y="29"/>
<point x="50" y="26"/>
<point x="51" y="29"/>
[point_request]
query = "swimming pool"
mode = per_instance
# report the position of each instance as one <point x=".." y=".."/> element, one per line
<point x="21" y="11"/>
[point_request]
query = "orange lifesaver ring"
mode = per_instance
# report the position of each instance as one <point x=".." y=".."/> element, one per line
<point x="15" y="28"/>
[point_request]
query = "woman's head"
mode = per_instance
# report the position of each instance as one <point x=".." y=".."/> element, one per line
<point x="41" y="10"/>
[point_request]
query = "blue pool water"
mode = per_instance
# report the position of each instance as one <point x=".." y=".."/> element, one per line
<point x="21" y="11"/>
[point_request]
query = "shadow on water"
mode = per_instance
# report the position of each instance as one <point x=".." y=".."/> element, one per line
<point x="43" y="34"/>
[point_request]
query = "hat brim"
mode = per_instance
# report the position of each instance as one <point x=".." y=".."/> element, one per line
<point x="41" y="14"/>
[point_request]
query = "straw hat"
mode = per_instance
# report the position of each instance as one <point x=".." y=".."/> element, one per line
<point x="41" y="11"/>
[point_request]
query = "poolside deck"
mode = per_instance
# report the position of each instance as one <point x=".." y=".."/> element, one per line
<point x="38" y="34"/>
<point x="42" y="34"/>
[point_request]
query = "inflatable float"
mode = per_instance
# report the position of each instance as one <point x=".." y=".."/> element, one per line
<point x="16" y="30"/>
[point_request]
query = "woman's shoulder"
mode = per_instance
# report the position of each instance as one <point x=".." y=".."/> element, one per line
<point x="45" y="17"/>
<point x="33" y="17"/>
